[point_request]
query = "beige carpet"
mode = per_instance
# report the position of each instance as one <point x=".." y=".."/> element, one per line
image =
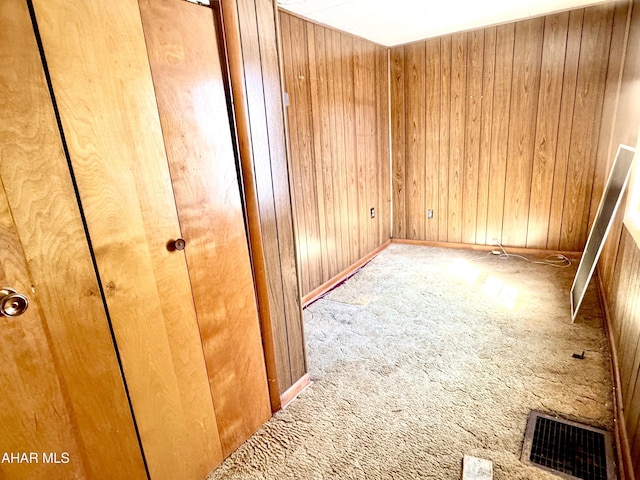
<point x="428" y="354"/>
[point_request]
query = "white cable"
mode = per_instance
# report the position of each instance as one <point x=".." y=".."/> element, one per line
<point x="553" y="260"/>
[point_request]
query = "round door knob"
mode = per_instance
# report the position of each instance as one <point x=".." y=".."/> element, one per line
<point x="12" y="303"/>
<point x="177" y="244"/>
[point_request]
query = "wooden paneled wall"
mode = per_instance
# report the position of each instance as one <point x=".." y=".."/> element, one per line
<point x="619" y="265"/>
<point x="339" y="146"/>
<point x="496" y="130"/>
<point x="263" y="142"/>
<point x="623" y="301"/>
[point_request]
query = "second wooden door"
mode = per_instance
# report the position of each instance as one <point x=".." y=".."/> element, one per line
<point x="187" y="74"/>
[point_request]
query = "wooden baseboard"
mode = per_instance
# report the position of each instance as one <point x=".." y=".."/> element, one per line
<point x="341" y="277"/>
<point x="294" y="390"/>
<point x="485" y="248"/>
<point x="625" y="462"/>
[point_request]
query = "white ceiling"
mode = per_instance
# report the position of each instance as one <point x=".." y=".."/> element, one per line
<point x="394" y="22"/>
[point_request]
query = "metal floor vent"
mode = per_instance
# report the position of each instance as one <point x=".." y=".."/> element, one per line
<point x="568" y="449"/>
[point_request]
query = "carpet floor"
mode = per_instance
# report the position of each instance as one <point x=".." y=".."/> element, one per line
<point x="428" y="354"/>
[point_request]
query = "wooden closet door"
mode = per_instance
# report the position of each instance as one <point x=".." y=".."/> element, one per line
<point x="64" y="412"/>
<point x="100" y="74"/>
<point x="185" y="64"/>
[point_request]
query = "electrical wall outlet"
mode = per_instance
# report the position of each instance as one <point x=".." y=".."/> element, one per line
<point x="372" y="212"/>
<point x="430" y="214"/>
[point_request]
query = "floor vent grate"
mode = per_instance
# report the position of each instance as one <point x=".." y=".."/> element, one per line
<point x="568" y="449"/>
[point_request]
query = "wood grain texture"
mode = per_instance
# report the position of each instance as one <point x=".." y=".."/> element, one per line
<point x="445" y="146"/>
<point x="414" y="64"/>
<point x="383" y="135"/>
<point x="293" y="78"/>
<point x="62" y="382"/>
<point x="525" y="86"/>
<point x="33" y="389"/>
<point x="336" y="120"/>
<point x="626" y="118"/>
<point x="619" y="266"/>
<point x="519" y="104"/>
<point x="488" y="81"/>
<point x="340" y="164"/>
<point x="258" y="91"/>
<point x="623" y="300"/>
<point x="267" y="36"/>
<point x="373" y="172"/>
<point x="359" y="75"/>
<point x="471" y="180"/>
<point x="432" y="137"/>
<point x="572" y="56"/>
<point x="197" y="137"/>
<point x="547" y="125"/>
<point x="457" y="132"/>
<point x="317" y="79"/>
<point x="398" y="126"/>
<point x="592" y="69"/>
<point x="110" y="118"/>
<point x="500" y="123"/>
<point x="354" y="191"/>
<point x="621" y="17"/>
<point x="227" y="15"/>
<point x="265" y="107"/>
<point x="323" y="151"/>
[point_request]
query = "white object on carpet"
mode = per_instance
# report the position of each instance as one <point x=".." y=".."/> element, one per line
<point x="474" y="468"/>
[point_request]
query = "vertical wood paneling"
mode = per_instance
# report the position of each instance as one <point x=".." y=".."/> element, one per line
<point x="340" y="155"/>
<point x="592" y="69"/>
<point x="432" y="137"/>
<point x="457" y="135"/>
<point x="517" y="130"/>
<point x="524" y="102"/>
<point x="373" y="163"/>
<point x="324" y="156"/>
<point x="253" y="60"/>
<point x="619" y="265"/>
<point x="363" y="187"/>
<point x="505" y="35"/>
<point x="382" y="90"/>
<point x="572" y="56"/>
<point x="398" y="108"/>
<point x="314" y="91"/>
<point x="445" y="139"/>
<point x="475" y="43"/>
<point x="257" y="29"/>
<point x="623" y="299"/>
<point x="414" y="63"/>
<point x="295" y="168"/>
<point x="338" y="127"/>
<point x="609" y="108"/>
<point x="630" y="332"/>
<point x="305" y="134"/>
<point x="488" y="78"/>
<point x="613" y="104"/>
<point x="355" y="192"/>
<point x="548" y="115"/>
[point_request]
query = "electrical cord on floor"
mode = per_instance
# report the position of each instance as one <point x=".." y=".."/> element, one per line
<point x="554" y="260"/>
